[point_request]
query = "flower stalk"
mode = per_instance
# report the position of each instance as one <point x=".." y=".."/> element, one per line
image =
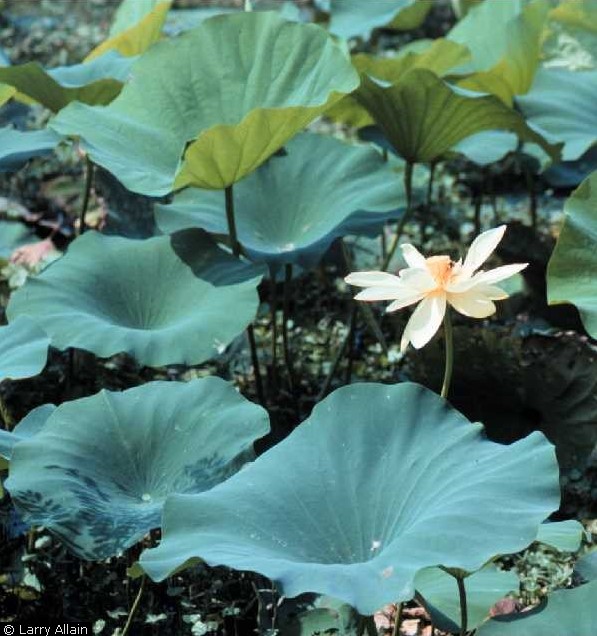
<point x="449" y="344"/>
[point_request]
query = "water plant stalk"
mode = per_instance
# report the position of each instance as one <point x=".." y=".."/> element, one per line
<point x="273" y="302"/>
<point x="86" y="194"/>
<point x="135" y="607"/>
<point x="285" y="318"/>
<point x="236" y="250"/>
<point x="408" y="184"/>
<point x="366" y="626"/>
<point x="463" y="607"/>
<point x="397" y="619"/>
<point x="449" y="344"/>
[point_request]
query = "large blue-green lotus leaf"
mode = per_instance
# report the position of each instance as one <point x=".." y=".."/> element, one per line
<point x="515" y="33"/>
<point x="565" y="536"/>
<point x="355" y="18"/>
<point x="439" y="592"/>
<point x="379" y="483"/>
<point x="423" y="117"/>
<point x="13" y="234"/>
<point x="98" y="472"/>
<point x="30" y="425"/>
<point x="23" y="349"/>
<point x="586" y="566"/>
<point x="96" y="82"/>
<point x="564" y="613"/>
<point x="244" y="85"/>
<point x="572" y="269"/>
<point x="17" y="147"/>
<point x="487" y="147"/>
<point x="563" y="104"/>
<point x="163" y="300"/>
<point x="292" y="207"/>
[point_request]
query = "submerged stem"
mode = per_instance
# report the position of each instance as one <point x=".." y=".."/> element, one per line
<point x="449" y="354"/>
<point x="408" y="182"/>
<point x="135" y="606"/>
<point x="87" y="193"/>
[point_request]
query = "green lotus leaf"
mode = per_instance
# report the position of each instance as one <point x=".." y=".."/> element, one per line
<point x="438" y="56"/>
<point x="98" y="472"/>
<point x="30" y="425"/>
<point x="565" y="536"/>
<point x="163" y="300"/>
<point x="311" y="615"/>
<point x="96" y="82"/>
<point x="292" y="207"/>
<point x="565" y="613"/>
<point x="244" y="85"/>
<point x="581" y="14"/>
<point x="138" y="36"/>
<point x="572" y="268"/>
<point x="439" y="592"/>
<point x="586" y="566"/>
<point x="12" y="235"/>
<point x="17" y="147"/>
<point x="423" y="116"/>
<point x="562" y="104"/>
<point x="486" y="32"/>
<point x="354" y="18"/>
<point x="379" y="483"/>
<point x="513" y="74"/>
<point x="6" y="92"/>
<point x="23" y="350"/>
<point x="487" y="146"/>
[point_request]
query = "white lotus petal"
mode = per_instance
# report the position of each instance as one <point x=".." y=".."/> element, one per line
<point x="418" y="279"/>
<point x="383" y="293"/>
<point x="412" y="256"/>
<point x="482" y="248"/>
<point x="499" y="273"/>
<point x="371" y="279"/>
<point x="472" y="304"/>
<point x="404" y="302"/>
<point x="492" y="292"/>
<point x="426" y="320"/>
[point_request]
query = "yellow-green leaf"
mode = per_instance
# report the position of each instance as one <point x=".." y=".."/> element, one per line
<point x="136" y="39"/>
<point x="576" y="13"/>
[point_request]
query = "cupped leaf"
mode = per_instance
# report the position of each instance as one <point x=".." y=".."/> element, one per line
<point x="99" y="470"/>
<point x="565" y="536"/>
<point x="30" y="425"/>
<point x="438" y="591"/>
<point x="438" y="56"/>
<point x="487" y="147"/>
<point x="17" y="147"/>
<point x="564" y="613"/>
<point x="244" y="85"/>
<point x="134" y="38"/>
<point x="292" y="207"/>
<point x="423" y="116"/>
<point x="97" y="82"/>
<point x="379" y="483"/>
<point x="514" y="72"/>
<point x="572" y="269"/>
<point x="354" y="18"/>
<point x="163" y="300"/>
<point x="23" y="349"/>
<point x="563" y="105"/>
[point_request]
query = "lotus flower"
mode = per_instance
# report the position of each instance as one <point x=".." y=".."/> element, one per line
<point x="437" y="281"/>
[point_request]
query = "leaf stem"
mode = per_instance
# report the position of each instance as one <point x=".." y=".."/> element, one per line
<point x="274" y="328"/>
<point x="397" y="619"/>
<point x="366" y="626"/>
<point x="285" y="317"/>
<point x="449" y="354"/>
<point x="87" y="193"/>
<point x="135" y="606"/>
<point x="231" y="222"/>
<point x="408" y="182"/>
<point x="463" y="608"/>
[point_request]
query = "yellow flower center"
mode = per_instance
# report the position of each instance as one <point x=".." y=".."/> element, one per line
<point x="440" y="267"/>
